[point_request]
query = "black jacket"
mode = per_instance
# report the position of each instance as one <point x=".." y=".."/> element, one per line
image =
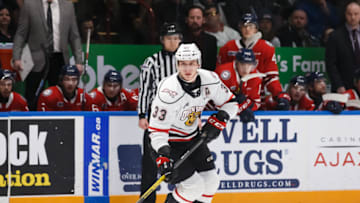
<point x="207" y="46"/>
<point x="340" y="59"/>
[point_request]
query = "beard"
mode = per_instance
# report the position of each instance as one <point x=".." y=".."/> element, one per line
<point x="194" y="27"/>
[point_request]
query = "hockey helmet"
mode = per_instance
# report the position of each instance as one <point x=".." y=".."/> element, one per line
<point x="298" y="80"/>
<point x="7" y="74"/>
<point x="170" y="29"/>
<point x="113" y="76"/>
<point x="313" y="76"/>
<point x="246" y="56"/>
<point x="187" y="52"/>
<point x="248" y="18"/>
<point x="70" y="70"/>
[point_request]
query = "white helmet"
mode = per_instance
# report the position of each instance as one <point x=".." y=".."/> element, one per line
<point x="187" y="52"/>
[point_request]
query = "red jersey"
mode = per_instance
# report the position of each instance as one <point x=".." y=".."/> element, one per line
<point x="352" y="96"/>
<point x="15" y="103"/>
<point x="265" y="58"/>
<point x="126" y="101"/>
<point x="52" y="99"/>
<point x="250" y="86"/>
<point x="305" y="104"/>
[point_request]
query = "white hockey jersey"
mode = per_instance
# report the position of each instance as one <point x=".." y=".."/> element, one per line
<point x="175" y="113"/>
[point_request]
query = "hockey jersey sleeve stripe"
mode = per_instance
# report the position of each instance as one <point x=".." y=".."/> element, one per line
<point x="152" y="129"/>
<point x="209" y="196"/>
<point x="272" y="80"/>
<point x="181" y="140"/>
<point x="178" y="131"/>
<point x="181" y="197"/>
<point x="272" y="73"/>
<point x="231" y="97"/>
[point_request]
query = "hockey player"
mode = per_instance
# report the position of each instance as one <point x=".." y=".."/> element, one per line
<point x="112" y="97"/>
<point x="300" y="100"/>
<point x="236" y="76"/>
<point x="10" y="100"/>
<point x="353" y="94"/>
<point x="265" y="58"/>
<point x="173" y="126"/>
<point x="66" y="96"/>
<point x="317" y="88"/>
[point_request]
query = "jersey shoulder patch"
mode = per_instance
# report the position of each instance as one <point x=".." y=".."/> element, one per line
<point x="269" y="43"/>
<point x="92" y="94"/>
<point x="47" y="92"/>
<point x="170" y="90"/>
<point x="208" y="77"/>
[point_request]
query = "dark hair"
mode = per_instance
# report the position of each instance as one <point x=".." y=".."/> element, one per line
<point x="195" y="7"/>
<point x="207" y="7"/>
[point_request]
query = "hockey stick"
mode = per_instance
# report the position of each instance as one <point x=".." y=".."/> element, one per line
<point x="44" y="76"/>
<point x="85" y="65"/>
<point x="176" y="165"/>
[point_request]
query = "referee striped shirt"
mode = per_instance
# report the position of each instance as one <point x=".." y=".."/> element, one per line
<point x="155" y="68"/>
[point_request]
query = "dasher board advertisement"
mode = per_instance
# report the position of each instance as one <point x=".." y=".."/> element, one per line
<point x="273" y="154"/>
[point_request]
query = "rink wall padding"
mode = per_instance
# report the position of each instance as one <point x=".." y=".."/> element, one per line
<point x="93" y="157"/>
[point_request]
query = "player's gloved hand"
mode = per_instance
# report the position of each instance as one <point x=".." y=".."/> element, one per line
<point x="334" y="107"/>
<point x="283" y="101"/>
<point x="247" y="115"/>
<point x="164" y="163"/>
<point x="214" y="125"/>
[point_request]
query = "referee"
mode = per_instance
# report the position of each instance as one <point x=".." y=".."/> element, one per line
<point x="154" y="69"/>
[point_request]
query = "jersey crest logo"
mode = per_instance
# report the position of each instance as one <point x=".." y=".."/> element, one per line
<point x="190" y="115"/>
<point x="170" y="92"/>
<point x="60" y="104"/>
<point x="192" y="118"/>
<point x="232" y="53"/>
<point x="225" y="75"/>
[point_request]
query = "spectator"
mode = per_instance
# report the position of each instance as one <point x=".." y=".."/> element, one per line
<point x="235" y="9"/>
<point x="195" y="33"/>
<point x="169" y="11"/>
<point x="154" y="69"/>
<point x="66" y="96"/>
<point x="215" y="27"/>
<point x="85" y="26"/>
<point x="326" y="35"/>
<point x="300" y="100"/>
<point x="295" y="34"/>
<point x="220" y="6"/>
<point x="47" y="39"/>
<point x="245" y="86"/>
<point x="316" y="85"/>
<point x="10" y="100"/>
<point x="267" y="30"/>
<point x="265" y="56"/>
<point x="321" y="15"/>
<point x="112" y="97"/>
<point x="6" y="30"/>
<point x="342" y="51"/>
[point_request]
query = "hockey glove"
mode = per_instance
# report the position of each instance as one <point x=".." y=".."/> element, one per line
<point x="247" y="115"/>
<point x="214" y="125"/>
<point x="283" y="101"/>
<point x="334" y="107"/>
<point x="164" y="163"/>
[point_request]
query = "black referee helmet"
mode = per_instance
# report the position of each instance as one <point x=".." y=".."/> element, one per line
<point x="170" y="29"/>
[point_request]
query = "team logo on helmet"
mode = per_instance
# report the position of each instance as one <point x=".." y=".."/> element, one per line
<point x="188" y="52"/>
<point x="225" y="75"/>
